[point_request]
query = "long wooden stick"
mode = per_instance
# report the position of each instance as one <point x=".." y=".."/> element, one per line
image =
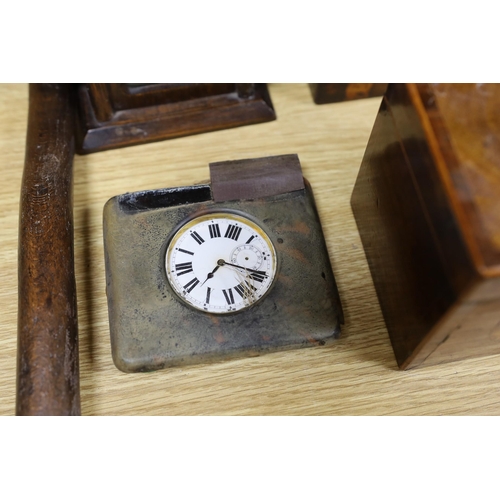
<point x="47" y="371"/>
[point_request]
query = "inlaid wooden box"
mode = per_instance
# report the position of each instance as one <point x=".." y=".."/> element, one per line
<point x="427" y="205"/>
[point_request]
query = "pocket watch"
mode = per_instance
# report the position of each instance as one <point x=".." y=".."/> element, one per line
<point x="220" y="263"/>
<point x="215" y="271"/>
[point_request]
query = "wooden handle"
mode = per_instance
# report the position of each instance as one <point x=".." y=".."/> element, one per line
<point x="47" y="371"/>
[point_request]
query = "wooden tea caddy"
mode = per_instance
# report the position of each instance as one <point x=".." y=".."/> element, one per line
<point x="427" y="205"/>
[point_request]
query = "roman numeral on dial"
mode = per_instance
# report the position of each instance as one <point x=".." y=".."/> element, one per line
<point x="245" y="289"/>
<point x="258" y="276"/>
<point x="197" y="237"/>
<point x="214" y="230"/>
<point x="233" y="232"/>
<point x="184" y="268"/>
<point x="189" y="286"/>
<point x="207" y="299"/>
<point x="228" y="294"/>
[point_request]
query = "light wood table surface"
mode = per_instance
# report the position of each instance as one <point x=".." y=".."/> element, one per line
<point x="357" y="375"/>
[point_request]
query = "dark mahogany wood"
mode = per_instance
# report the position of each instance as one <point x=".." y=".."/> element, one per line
<point x="128" y="96"/>
<point x="47" y="372"/>
<point x="118" y="115"/>
<point x="427" y="205"/>
<point x="324" y="93"/>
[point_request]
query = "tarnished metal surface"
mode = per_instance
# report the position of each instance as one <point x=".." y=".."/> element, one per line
<point x="151" y="328"/>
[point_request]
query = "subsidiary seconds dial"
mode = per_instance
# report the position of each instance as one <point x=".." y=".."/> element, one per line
<point x="220" y="263"/>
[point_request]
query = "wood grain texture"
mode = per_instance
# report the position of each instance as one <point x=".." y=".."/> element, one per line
<point x="269" y="176"/>
<point x="47" y="372"/>
<point x="466" y="122"/>
<point x="356" y="376"/>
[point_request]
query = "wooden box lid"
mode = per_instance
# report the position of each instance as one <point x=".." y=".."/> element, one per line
<point x="462" y="125"/>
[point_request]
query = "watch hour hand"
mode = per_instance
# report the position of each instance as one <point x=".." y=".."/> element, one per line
<point x="210" y="275"/>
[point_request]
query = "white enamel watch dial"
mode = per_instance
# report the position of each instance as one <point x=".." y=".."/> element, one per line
<point x="220" y="263"/>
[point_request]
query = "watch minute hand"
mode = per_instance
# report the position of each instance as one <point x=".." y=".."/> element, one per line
<point x="224" y="263"/>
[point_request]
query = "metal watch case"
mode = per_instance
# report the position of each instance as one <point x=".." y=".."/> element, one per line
<point x="152" y="329"/>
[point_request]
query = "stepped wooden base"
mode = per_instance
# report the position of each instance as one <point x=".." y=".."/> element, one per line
<point x="119" y="115"/>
